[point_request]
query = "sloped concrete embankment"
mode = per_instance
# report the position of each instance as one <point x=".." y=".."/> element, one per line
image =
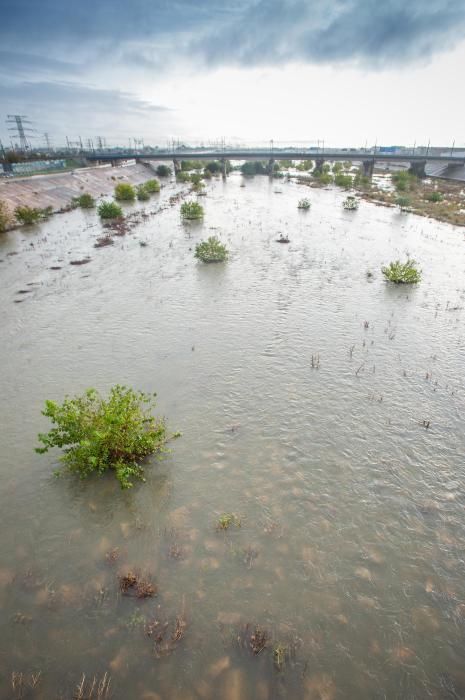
<point x="57" y="190"/>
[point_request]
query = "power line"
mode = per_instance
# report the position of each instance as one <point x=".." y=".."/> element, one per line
<point x="20" y="122"/>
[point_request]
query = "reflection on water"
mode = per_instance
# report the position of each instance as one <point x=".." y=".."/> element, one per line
<point x="346" y="576"/>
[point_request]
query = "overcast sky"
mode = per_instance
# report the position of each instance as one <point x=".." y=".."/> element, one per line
<point x="343" y="71"/>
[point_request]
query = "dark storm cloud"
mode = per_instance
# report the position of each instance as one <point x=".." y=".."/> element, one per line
<point x="246" y="32"/>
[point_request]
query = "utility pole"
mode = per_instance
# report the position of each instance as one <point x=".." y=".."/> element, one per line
<point x="452" y="148"/>
<point x="427" y="150"/>
<point x="20" y="122"/>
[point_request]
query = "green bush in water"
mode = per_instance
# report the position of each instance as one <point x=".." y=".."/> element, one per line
<point x="152" y="186"/>
<point x="304" y="203"/>
<point x="31" y="215"/>
<point x="191" y="210"/>
<point x="85" y="201"/>
<point x="402" y="273"/>
<point x="211" y="250"/>
<point x="109" y="210"/>
<point x="143" y="195"/>
<point x="124" y="192"/>
<point x="183" y="177"/>
<point x="101" y="434"/>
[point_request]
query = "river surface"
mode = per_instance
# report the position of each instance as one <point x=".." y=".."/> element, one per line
<point x="321" y="405"/>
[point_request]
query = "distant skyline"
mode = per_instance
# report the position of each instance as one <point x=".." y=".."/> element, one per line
<point x="348" y="72"/>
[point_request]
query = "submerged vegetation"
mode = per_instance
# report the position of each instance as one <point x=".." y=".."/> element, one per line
<point x="402" y="273"/>
<point x="109" y="210"/>
<point x="85" y="201"/>
<point x="191" y="210"/>
<point x="152" y="186"/>
<point x="5" y="219"/>
<point x="32" y="215"/>
<point x="211" y="250"/>
<point x="101" y="434"/>
<point x="304" y="203"/>
<point x="124" y="192"/>
<point x="350" y="203"/>
<point x="226" y="520"/>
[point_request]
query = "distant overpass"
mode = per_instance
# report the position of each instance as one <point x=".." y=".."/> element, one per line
<point x="367" y="157"/>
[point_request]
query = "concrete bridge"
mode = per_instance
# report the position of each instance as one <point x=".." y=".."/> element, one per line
<point x="368" y="158"/>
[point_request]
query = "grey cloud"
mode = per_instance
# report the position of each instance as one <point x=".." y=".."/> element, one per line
<point x="246" y="32"/>
<point x="64" y="108"/>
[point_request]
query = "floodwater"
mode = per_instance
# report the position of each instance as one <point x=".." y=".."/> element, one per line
<point x="350" y="553"/>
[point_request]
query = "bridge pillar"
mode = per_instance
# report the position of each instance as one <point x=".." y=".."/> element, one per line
<point x="176" y="166"/>
<point x="417" y="167"/>
<point x="319" y="162"/>
<point x="270" y="167"/>
<point x="114" y="163"/>
<point x="368" y="167"/>
<point x="224" y="169"/>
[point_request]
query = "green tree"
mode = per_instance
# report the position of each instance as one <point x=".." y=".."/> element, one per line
<point x="402" y="273"/>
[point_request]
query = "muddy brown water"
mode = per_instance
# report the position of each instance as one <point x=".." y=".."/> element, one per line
<point x="350" y="550"/>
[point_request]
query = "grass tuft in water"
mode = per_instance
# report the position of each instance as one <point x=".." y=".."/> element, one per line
<point x="402" y="273"/>
<point x="226" y="520"/>
<point x="211" y="250"/>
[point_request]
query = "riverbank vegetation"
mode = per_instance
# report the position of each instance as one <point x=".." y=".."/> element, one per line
<point x="101" y="434"/>
<point x="5" y="218"/>
<point x="402" y="273"/>
<point x="163" y="171"/>
<point x="211" y="250"/>
<point x="32" y="215"/>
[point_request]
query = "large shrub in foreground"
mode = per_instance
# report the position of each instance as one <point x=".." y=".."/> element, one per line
<point x="100" y="434"/>
<point x="191" y="210"/>
<point x="402" y="273"/>
<point x="109" y="210"/>
<point x="211" y="250"/>
<point x="124" y="192"/>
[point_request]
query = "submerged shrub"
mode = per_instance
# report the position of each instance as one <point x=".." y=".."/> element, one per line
<point x="211" y="250"/>
<point x="305" y="165"/>
<point x="100" y="434"/>
<point x="350" y="203"/>
<point x="402" y="273"/>
<point x="31" y="215"/>
<point x="124" y="192"/>
<point x="143" y="195"/>
<point x="191" y="210"/>
<point x="109" y="210"/>
<point x="304" y="203"/>
<point x="434" y="197"/>
<point x="85" y="201"/>
<point x="183" y="177"/>
<point x="325" y="178"/>
<point x="253" y="167"/>
<point x="5" y="218"/>
<point x="152" y="186"/>
<point x="163" y="171"/>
